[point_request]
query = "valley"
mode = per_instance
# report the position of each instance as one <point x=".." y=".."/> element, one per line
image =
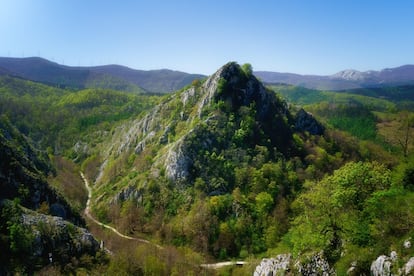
<point x="205" y="174"/>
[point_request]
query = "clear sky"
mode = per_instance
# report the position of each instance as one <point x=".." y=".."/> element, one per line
<point x="198" y="36"/>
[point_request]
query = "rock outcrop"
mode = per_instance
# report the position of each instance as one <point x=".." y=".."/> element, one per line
<point x="316" y="266"/>
<point x="382" y="266"/>
<point x="284" y="264"/>
<point x="408" y="268"/>
<point x="274" y="266"/>
<point x="57" y="238"/>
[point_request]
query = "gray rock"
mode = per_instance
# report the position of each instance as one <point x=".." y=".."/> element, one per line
<point x="408" y="268"/>
<point x="407" y="244"/>
<point x="52" y="234"/>
<point x="177" y="162"/>
<point x="316" y="266"/>
<point x="381" y="266"/>
<point x="273" y="266"/>
<point x="188" y="95"/>
<point x="283" y="264"/>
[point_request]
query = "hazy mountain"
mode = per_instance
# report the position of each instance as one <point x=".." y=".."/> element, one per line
<point x="161" y="81"/>
<point x="108" y="76"/>
<point x="346" y="79"/>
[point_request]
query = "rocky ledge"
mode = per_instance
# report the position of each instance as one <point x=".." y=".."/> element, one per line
<point x="55" y="238"/>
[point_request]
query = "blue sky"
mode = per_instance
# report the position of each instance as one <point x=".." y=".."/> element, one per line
<point x="299" y="36"/>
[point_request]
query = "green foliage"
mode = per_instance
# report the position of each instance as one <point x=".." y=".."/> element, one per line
<point x="356" y="119"/>
<point x="58" y="117"/>
<point x="247" y="69"/>
<point x="253" y="184"/>
<point x="357" y="209"/>
<point x="304" y="96"/>
<point x="221" y="86"/>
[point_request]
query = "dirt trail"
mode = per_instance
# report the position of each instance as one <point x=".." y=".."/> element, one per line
<point x="89" y="215"/>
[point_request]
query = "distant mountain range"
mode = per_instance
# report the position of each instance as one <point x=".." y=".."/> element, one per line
<point x="344" y="80"/>
<point x="107" y="76"/>
<point x="164" y="81"/>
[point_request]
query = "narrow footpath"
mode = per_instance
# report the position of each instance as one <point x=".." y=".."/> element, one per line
<point x="89" y="215"/>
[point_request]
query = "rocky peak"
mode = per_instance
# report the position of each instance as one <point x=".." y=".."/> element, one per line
<point x="232" y="92"/>
<point x="237" y="88"/>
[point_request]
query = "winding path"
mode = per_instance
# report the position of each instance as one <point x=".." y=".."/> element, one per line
<point x="89" y="215"/>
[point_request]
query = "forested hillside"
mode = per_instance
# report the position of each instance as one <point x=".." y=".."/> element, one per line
<point x="223" y="169"/>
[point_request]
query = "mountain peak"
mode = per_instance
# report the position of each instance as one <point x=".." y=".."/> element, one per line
<point x="350" y="75"/>
<point x="238" y="111"/>
<point x="236" y="86"/>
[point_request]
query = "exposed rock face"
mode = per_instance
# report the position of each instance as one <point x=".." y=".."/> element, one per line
<point x="274" y="266"/>
<point x="408" y="268"/>
<point x="178" y="162"/>
<point x="58" y="237"/>
<point x="317" y="265"/>
<point x="305" y="121"/>
<point x="283" y="264"/>
<point x="383" y="264"/>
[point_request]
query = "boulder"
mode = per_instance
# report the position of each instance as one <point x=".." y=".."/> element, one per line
<point x="383" y="264"/>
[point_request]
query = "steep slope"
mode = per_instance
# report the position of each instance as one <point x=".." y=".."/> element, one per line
<point x="37" y="223"/>
<point x="108" y="77"/>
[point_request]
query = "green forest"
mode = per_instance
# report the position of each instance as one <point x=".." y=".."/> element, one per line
<point x="225" y="169"/>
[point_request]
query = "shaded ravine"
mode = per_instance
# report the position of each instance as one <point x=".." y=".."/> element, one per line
<point x="89" y="215"/>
